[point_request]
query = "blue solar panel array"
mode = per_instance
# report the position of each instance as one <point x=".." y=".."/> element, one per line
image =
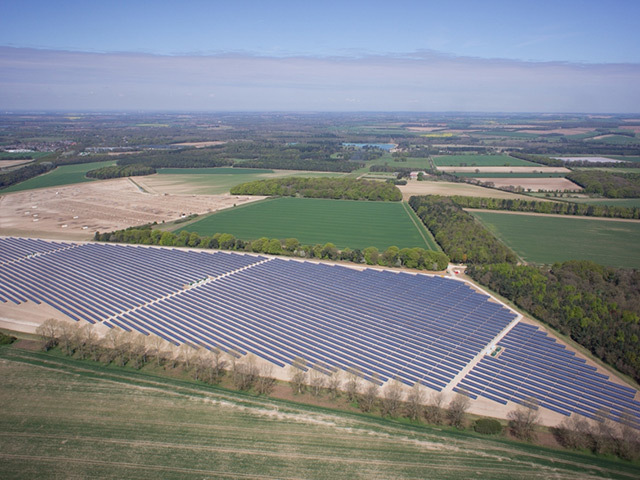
<point x="385" y="324"/>
<point x="95" y="281"/>
<point x="416" y="328"/>
<point x="534" y="365"/>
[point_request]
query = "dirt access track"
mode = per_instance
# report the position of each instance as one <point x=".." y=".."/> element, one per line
<point x="76" y="212"/>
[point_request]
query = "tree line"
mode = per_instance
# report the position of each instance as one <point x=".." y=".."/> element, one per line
<point x="321" y="187"/>
<point x="117" y="171"/>
<point x="560" y="208"/>
<point x="24" y="173"/>
<point x="216" y="366"/>
<point x="596" y="306"/>
<point x="417" y="258"/>
<point x="607" y="184"/>
<point x="230" y="369"/>
<point x="461" y="237"/>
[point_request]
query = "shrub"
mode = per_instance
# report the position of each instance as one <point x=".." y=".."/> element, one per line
<point x="487" y="426"/>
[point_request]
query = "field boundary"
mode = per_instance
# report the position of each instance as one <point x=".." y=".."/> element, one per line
<point x="553" y="215"/>
<point x="428" y="238"/>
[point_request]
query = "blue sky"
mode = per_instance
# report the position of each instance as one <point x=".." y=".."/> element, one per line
<point x="330" y="55"/>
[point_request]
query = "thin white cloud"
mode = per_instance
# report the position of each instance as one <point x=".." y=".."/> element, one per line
<point x="426" y="81"/>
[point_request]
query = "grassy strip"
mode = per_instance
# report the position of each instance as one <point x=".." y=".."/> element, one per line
<point x="149" y="423"/>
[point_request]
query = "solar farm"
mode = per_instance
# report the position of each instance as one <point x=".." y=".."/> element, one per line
<point x="384" y="325"/>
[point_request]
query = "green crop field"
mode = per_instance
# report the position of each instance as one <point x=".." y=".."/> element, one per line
<point x="212" y="171"/>
<point x="65" y="175"/>
<point x="65" y="418"/>
<point x="616" y="140"/>
<point x="345" y="223"/>
<point x="547" y="239"/>
<point x="410" y="162"/>
<point x="625" y="158"/>
<point x="217" y="183"/>
<point x="614" y="202"/>
<point x="481" y="161"/>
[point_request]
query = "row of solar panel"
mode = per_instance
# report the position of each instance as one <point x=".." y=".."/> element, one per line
<point x="534" y="365"/>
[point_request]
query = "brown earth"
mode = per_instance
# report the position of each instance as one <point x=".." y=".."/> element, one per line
<point x="534" y="184"/>
<point x="201" y="144"/>
<point x="562" y="131"/>
<point x="414" y="187"/>
<point x="13" y="163"/>
<point x="76" y="212"/>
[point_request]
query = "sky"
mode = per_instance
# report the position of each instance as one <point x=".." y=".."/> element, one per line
<point x="401" y="55"/>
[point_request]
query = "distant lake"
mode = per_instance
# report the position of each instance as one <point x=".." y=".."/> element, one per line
<point x="381" y="146"/>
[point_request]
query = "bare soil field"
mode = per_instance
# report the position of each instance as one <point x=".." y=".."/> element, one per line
<point x="540" y="169"/>
<point x="76" y="212"/>
<point x="13" y="163"/>
<point x="561" y="131"/>
<point x="201" y="144"/>
<point x="414" y="187"/>
<point x="424" y="129"/>
<point x="535" y="184"/>
<point x="633" y="128"/>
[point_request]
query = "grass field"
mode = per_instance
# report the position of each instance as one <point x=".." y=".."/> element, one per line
<point x="619" y="202"/>
<point x="625" y="158"/>
<point x="216" y="183"/>
<point x="65" y="175"/>
<point x="546" y="239"/>
<point x="64" y="418"/>
<point x="616" y="140"/>
<point x="212" y="171"/>
<point x="345" y="223"/>
<point x="480" y="161"/>
<point x="411" y="162"/>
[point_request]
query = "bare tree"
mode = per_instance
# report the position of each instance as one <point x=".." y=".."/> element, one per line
<point x="334" y="382"/>
<point x="66" y="333"/>
<point x="352" y="384"/>
<point x="137" y="350"/>
<point x="369" y="396"/>
<point x="49" y="331"/>
<point x="200" y="364"/>
<point x="123" y="349"/>
<point x="457" y="409"/>
<point x="415" y="402"/>
<point x="173" y="357"/>
<point x="245" y="373"/>
<point x="186" y="353"/>
<point x="524" y="420"/>
<point x="298" y="374"/>
<point x="574" y="432"/>
<point x="603" y="431"/>
<point x="92" y="342"/>
<point x="392" y="399"/>
<point x="111" y="341"/>
<point x="434" y="412"/>
<point x="218" y="365"/>
<point x="317" y="381"/>
<point x="265" y="381"/>
<point x="79" y="340"/>
<point x="156" y="343"/>
<point x="628" y="444"/>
